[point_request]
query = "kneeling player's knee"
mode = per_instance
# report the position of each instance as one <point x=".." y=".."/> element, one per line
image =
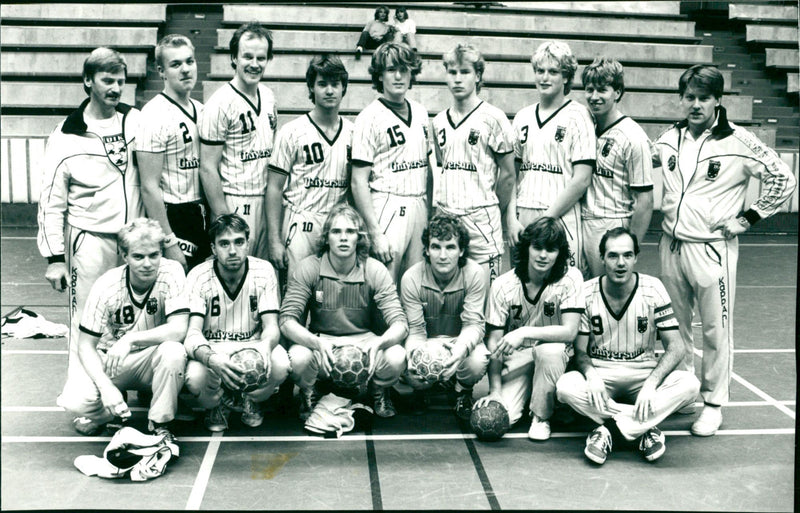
<point x="203" y="384"/>
<point x="395" y="358"/>
<point x="279" y="364"/>
<point x="568" y="385"/>
<point x="171" y="354"/>
<point x="300" y="357"/>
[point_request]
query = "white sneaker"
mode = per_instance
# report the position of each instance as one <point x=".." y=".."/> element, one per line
<point x="709" y="421"/>
<point x="539" y="430"/>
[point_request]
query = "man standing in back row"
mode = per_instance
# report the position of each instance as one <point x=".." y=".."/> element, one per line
<point x="90" y="187"/>
<point x="707" y="163"/>
<point x="554" y="150"/>
<point x="236" y="130"/>
<point x="168" y="155"/>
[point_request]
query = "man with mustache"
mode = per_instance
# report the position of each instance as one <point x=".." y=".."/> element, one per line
<point x="90" y="187"/>
<point x="237" y="128"/>
<point x="707" y="162"/>
<point x="168" y="153"/>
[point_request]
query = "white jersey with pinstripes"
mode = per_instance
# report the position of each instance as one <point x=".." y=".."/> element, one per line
<point x="317" y="168"/>
<point x="624" y="163"/>
<point x="246" y="132"/>
<point x="629" y="335"/>
<point x="233" y="315"/>
<point x="467" y="150"/>
<point x="167" y="128"/>
<point x="396" y="148"/>
<point x="547" y="150"/>
<point x="509" y="306"/>
<point x="112" y="309"/>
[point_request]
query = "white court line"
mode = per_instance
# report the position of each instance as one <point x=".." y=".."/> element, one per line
<point x="217" y="439"/>
<point x="47" y="409"/>
<point x="760" y="393"/>
<point x="201" y="482"/>
<point x="33" y="351"/>
<point x="739" y="351"/>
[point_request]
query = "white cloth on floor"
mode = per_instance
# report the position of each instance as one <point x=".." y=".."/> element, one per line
<point x="24" y="323"/>
<point x="130" y="452"/>
<point x="333" y="415"/>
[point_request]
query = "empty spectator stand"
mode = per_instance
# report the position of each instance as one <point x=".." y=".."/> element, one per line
<point x="41" y="62"/>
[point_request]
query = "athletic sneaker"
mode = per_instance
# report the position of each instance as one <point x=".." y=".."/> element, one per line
<point x="652" y="444"/>
<point x="709" y="421"/>
<point x="161" y="429"/>
<point x="251" y="413"/>
<point x="233" y="400"/>
<point x="383" y="403"/>
<point x="598" y="445"/>
<point x="87" y="426"/>
<point x="217" y="418"/>
<point x="464" y="403"/>
<point x="539" y="430"/>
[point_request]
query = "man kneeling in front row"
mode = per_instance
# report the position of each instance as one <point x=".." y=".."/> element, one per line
<point x="341" y="287"/>
<point x="131" y="335"/>
<point x="234" y="305"/>
<point x="615" y="354"/>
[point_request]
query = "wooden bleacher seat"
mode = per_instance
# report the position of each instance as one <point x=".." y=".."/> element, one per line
<point x="662" y="8"/>
<point x="654" y="106"/>
<point x="763" y="12"/>
<point x="429" y="20"/>
<point x="78" y="37"/>
<point x="792" y="83"/>
<point x="771" y="34"/>
<point x="293" y="66"/>
<point x="61" y="64"/>
<point x="51" y="95"/>
<point x="509" y="47"/>
<point x="783" y="58"/>
<point x="117" y="12"/>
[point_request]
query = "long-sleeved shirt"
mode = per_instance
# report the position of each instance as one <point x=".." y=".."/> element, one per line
<point x="713" y="188"/>
<point x="341" y="305"/>
<point x="457" y="308"/>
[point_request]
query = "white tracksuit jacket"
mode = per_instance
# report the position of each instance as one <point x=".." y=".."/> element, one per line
<point x="80" y="181"/>
<point x="716" y="190"/>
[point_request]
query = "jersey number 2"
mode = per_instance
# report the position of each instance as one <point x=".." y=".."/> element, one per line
<point x="186" y="137"/>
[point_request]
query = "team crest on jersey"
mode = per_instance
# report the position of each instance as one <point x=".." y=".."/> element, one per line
<point x="671" y="162"/>
<point x="473" y="136"/>
<point x="152" y="306"/>
<point x="607" y="147"/>
<point x="273" y="121"/>
<point x="116" y="149"/>
<point x="253" y="303"/>
<point x="561" y="131"/>
<point x="549" y="308"/>
<point x="641" y="324"/>
<point x="713" y="169"/>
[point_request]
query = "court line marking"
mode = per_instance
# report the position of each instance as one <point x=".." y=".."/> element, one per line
<point x="760" y="393"/>
<point x="218" y="439"/>
<point x="203" y="475"/>
<point x="374" y="475"/>
<point x="49" y="409"/>
<point x="33" y="351"/>
<point x="483" y="477"/>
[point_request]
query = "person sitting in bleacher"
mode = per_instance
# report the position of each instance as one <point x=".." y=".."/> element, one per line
<point x="405" y="28"/>
<point x="376" y="32"/>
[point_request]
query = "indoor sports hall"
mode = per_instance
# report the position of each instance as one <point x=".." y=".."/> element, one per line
<point x="430" y="461"/>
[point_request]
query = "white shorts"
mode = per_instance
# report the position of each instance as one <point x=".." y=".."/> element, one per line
<point x="301" y="234"/>
<point x="485" y="230"/>
<point x="251" y="208"/>
<point x="402" y="219"/>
